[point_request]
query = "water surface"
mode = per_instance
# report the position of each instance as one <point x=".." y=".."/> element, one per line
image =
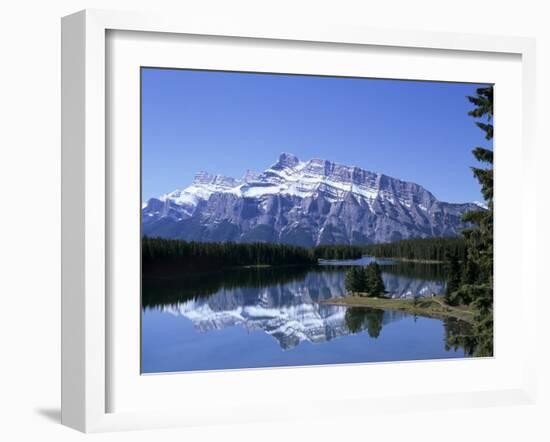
<point x="272" y="317"/>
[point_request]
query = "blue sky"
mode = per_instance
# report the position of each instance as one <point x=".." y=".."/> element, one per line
<point x="226" y="123"/>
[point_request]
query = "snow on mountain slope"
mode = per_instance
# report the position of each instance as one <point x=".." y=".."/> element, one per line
<point x="303" y="203"/>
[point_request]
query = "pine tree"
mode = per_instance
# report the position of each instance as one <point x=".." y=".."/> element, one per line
<point x="453" y="277"/>
<point x="477" y="281"/>
<point x="354" y="280"/>
<point x="374" y="285"/>
<point x="365" y="280"/>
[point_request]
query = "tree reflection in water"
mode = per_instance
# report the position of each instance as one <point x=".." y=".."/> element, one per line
<point x="359" y="318"/>
<point x="458" y="334"/>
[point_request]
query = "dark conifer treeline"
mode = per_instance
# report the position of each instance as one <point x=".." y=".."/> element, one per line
<point x="178" y="255"/>
<point x="209" y="256"/>
<point x="337" y="252"/>
<point x="428" y="249"/>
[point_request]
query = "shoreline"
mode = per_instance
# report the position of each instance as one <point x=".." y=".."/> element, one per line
<point x="418" y="261"/>
<point x="432" y="307"/>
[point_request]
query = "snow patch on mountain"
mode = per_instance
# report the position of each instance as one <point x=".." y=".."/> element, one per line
<point x="482" y="205"/>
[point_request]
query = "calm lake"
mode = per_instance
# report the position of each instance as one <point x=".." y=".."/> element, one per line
<point x="271" y="317"/>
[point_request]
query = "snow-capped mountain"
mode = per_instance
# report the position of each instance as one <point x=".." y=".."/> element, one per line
<point x="304" y="203"/>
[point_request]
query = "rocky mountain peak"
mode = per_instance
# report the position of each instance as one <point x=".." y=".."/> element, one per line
<point x="302" y="203"/>
<point x="286" y="160"/>
<point x="250" y="176"/>
<point x="204" y="178"/>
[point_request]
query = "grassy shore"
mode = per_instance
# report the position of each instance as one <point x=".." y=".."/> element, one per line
<point x="434" y="307"/>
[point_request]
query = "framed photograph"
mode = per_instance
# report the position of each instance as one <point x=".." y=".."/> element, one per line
<point x="260" y="222"/>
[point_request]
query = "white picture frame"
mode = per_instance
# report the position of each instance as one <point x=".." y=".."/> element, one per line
<point x="86" y="357"/>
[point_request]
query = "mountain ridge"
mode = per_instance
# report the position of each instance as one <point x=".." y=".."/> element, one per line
<point x="305" y="203"/>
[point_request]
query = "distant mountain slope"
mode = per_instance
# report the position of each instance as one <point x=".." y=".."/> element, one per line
<point x="302" y="203"/>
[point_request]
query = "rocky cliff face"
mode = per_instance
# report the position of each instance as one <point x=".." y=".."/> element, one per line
<point x="302" y="203"/>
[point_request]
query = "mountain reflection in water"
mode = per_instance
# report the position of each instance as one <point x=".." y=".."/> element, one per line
<point x="284" y="304"/>
<point x="289" y="312"/>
